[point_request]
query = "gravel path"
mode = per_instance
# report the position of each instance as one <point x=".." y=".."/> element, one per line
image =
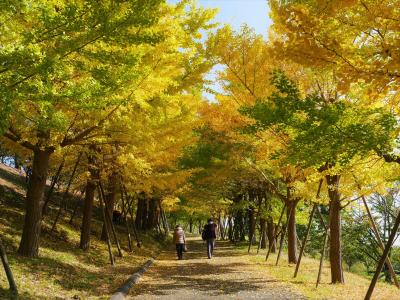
<point x="229" y="275"/>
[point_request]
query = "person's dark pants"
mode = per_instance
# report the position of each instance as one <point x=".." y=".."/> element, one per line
<point x="210" y="247"/>
<point x="179" y="250"/>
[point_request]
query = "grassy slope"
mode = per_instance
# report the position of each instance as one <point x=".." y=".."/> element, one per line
<point x="355" y="286"/>
<point x="62" y="271"/>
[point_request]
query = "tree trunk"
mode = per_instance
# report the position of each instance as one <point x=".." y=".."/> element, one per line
<point x="141" y="203"/>
<point x="145" y="214"/>
<point x="152" y="215"/>
<point x="7" y="269"/>
<point x="263" y="230"/>
<point x="252" y="224"/>
<point x="89" y="200"/>
<point x="16" y="162"/>
<point x="191" y="225"/>
<point x="104" y="215"/>
<point x="335" y="249"/>
<point x="76" y="208"/>
<point x="87" y="215"/>
<point x="29" y="245"/>
<point x="292" y="234"/>
<point x="230" y="228"/>
<point x="109" y="200"/>
<point x="63" y="203"/>
<point x="56" y="177"/>
<point x="271" y="234"/>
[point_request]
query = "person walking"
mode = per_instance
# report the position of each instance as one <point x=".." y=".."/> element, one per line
<point x="180" y="241"/>
<point x="209" y="234"/>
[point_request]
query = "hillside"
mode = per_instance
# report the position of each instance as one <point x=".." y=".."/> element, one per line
<point x="62" y="271"/>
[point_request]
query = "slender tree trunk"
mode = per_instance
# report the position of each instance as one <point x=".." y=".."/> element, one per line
<point x="29" y="245"/>
<point x="292" y="234"/>
<point x="7" y="269"/>
<point x="76" y="208"/>
<point x="230" y="228"/>
<point x="88" y="202"/>
<point x="125" y="217"/>
<point x="53" y="183"/>
<point x="104" y="215"/>
<point x="276" y="233"/>
<point x="321" y="260"/>
<point x="141" y="203"/>
<point x="109" y="200"/>
<point x="383" y="258"/>
<point x="252" y="224"/>
<point x="191" y="225"/>
<point x="65" y="195"/>
<point x="133" y="223"/>
<point x="271" y="234"/>
<point x="87" y="215"/>
<point x="263" y="236"/>
<point x="335" y="249"/>
<point x="284" y="230"/>
<point x="163" y="218"/>
<point x="109" y="223"/>
<point x="242" y="227"/>
<point x="145" y="214"/>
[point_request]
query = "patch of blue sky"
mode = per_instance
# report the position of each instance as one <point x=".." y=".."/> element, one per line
<point x="254" y="13"/>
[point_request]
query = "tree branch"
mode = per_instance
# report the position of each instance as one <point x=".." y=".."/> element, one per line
<point x="13" y="136"/>
<point x="81" y="135"/>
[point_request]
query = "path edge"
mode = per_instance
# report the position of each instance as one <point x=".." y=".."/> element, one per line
<point x="123" y="290"/>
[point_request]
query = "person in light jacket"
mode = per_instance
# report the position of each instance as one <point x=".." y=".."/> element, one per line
<point x="179" y="240"/>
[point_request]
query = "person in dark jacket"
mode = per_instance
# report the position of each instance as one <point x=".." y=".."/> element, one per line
<point x="210" y="236"/>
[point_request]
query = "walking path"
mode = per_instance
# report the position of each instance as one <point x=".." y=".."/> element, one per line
<point x="229" y="275"/>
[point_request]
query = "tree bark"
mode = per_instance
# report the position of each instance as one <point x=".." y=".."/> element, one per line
<point x="141" y="203"/>
<point x="152" y="215"/>
<point x="292" y="233"/>
<point x="76" y="208"/>
<point x="109" y="199"/>
<point x="53" y="183"/>
<point x="145" y="214"/>
<point x="335" y="249"/>
<point x="104" y="215"/>
<point x="382" y="260"/>
<point x="130" y="210"/>
<point x="263" y="237"/>
<point x="88" y="203"/>
<point x="7" y="269"/>
<point x="252" y="224"/>
<point x="66" y="193"/>
<point x="29" y="245"/>
<point x="271" y="234"/>
<point x="191" y="225"/>
<point x="87" y="215"/>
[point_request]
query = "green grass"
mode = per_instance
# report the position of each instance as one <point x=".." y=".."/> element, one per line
<point x="62" y="270"/>
<point x="355" y="286"/>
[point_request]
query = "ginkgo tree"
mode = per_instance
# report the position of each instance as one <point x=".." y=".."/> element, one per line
<point x="81" y="63"/>
<point x="356" y="39"/>
<point x="334" y="131"/>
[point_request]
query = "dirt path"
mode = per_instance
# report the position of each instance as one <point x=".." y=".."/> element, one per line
<point x="229" y="275"/>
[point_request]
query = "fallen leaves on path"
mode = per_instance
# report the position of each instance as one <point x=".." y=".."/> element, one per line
<point x="229" y="275"/>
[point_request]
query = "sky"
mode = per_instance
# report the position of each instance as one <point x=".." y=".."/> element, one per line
<point x="237" y="12"/>
<point x="254" y="13"/>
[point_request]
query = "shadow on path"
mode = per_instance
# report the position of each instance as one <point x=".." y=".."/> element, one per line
<point x="228" y="275"/>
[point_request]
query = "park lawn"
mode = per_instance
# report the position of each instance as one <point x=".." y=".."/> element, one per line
<point x="62" y="270"/>
<point x="355" y="286"/>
